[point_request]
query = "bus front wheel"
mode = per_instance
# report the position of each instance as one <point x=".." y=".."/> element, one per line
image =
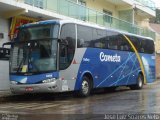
<point x="139" y="84"/>
<point x="85" y="87"/>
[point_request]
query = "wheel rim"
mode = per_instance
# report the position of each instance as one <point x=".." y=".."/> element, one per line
<point x="85" y="87"/>
<point x="140" y="82"/>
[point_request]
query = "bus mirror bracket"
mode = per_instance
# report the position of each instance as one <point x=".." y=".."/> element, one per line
<point x="59" y="40"/>
<point x="63" y="42"/>
<point x="7" y="43"/>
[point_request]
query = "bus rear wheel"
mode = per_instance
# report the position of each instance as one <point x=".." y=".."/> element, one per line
<point x="139" y="84"/>
<point x="85" y="87"/>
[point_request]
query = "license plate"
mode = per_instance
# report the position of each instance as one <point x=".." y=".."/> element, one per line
<point x="29" y="89"/>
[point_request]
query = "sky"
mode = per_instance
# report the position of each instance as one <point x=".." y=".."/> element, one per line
<point x="157" y="3"/>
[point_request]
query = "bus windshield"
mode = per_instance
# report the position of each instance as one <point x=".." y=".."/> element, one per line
<point x="36" y="53"/>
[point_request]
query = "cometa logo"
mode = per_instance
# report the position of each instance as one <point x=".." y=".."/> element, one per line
<point x="109" y="58"/>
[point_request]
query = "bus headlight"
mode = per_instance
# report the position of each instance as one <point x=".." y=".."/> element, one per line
<point x="14" y="82"/>
<point x="49" y="80"/>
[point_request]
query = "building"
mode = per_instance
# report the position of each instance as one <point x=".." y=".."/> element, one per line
<point x="157" y="18"/>
<point x="156" y="27"/>
<point x="126" y="15"/>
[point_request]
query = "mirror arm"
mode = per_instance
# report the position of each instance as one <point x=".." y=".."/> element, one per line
<point x="7" y="43"/>
<point x="60" y="40"/>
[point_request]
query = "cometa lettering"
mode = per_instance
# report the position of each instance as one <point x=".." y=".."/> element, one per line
<point x="109" y="58"/>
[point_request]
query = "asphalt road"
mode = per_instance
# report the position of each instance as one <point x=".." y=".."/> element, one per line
<point x="69" y="107"/>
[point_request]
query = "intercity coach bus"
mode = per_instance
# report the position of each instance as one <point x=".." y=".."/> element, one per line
<point x="62" y="55"/>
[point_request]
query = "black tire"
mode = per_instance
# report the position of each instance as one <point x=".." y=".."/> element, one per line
<point x="140" y="82"/>
<point x="86" y="87"/>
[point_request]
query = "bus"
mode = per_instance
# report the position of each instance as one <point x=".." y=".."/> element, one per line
<point x="65" y="55"/>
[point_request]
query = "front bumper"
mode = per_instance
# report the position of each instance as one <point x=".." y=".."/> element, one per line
<point x="55" y="86"/>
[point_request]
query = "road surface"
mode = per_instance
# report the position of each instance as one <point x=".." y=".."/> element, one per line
<point x="99" y="105"/>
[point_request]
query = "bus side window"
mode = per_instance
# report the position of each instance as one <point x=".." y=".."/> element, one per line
<point x="113" y="40"/>
<point x="124" y="44"/>
<point x="67" y="46"/>
<point x="147" y="46"/>
<point x="136" y="42"/>
<point x="80" y="43"/>
<point x="84" y="36"/>
<point x="142" y="46"/>
<point x="142" y="50"/>
<point x="150" y="48"/>
<point x="63" y="54"/>
<point x="98" y="40"/>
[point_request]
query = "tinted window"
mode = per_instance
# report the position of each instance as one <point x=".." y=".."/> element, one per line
<point x="84" y="36"/>
<point x="124" y="44"/>
<point x="67" y="46"/>
<point x="112" y="40"/>
<point x="142" y="45"/>
<point x="99" y="37"/>
<point x="135" y="42"/>
<point x="147" y="46"/>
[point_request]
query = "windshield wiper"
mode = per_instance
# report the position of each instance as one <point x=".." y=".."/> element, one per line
<point x="20" y="64"/>
<point x="23" y="59"/>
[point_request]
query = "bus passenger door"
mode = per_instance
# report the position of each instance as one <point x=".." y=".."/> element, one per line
<point x="67" y="44"/>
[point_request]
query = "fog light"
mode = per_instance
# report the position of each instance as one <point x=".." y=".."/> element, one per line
<point x="14" y="82"/>
<point x="52" y="87"/>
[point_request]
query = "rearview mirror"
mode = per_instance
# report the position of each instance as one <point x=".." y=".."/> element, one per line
<point x="7" y="43"/>
<point x="4" y="53"/>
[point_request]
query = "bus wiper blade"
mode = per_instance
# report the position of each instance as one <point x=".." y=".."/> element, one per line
<point x="20" y="64"/>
